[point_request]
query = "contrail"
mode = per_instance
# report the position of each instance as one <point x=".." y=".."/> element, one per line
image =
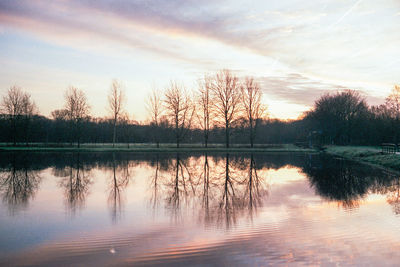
<point x="345" y="14"/>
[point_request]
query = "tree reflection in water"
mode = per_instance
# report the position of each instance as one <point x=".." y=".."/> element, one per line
<point x="256" y="188"/>
<point x="18" y="183"/>
<point x="215" y="191"/>
<point x="179" y="187"/>
<point x="348" y="182"/>
<point x="76" y="185"/>
<point x="392" y="191"/>
<point x="119" y="181"/>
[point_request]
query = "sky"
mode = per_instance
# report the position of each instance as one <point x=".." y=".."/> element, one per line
<point x="297" y="50"/>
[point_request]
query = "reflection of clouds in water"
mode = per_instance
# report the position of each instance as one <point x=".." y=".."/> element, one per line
<point x="272" y="212"/>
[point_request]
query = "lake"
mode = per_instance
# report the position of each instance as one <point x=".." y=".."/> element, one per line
<point x="200" y="209"/>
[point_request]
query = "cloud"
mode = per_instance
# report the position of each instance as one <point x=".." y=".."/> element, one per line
<point x="297" y="33"/>
<point x="298" y="89"/>
<point x="159" y="20"/>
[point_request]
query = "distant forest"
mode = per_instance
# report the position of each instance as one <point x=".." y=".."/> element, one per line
<point x="223" y="109"/>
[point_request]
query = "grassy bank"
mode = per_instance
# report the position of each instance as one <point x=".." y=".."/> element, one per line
<point x="367" y="154"/>
<point x="152" y="148"/>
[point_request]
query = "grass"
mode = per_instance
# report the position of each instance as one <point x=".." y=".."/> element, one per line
<point x="40" y="147"/>
<point x="368" y="154"/>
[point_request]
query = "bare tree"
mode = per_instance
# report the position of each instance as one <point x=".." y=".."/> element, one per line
<point x="124" y="124"/>
<point x="17" y="105"/>
<point x="77" y="109"/>
<point x="116" y="99"/>
<point x="253" y="108"/>
<point x="393" y="106"/>
<point x="12" y="107"/>
<point x="29" y="109"/>
<point x="204" y="104"/>
<point x="180" y="110"/>
<point x="155" y="109"/>
<point x="226" y="99"/>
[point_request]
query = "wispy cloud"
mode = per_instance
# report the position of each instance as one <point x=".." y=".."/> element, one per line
<point x="345" y="14"/>
<point x="298" y="89"/>
<point x="328" y="40"/>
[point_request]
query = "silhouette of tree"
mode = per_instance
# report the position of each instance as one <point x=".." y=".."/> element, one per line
<point x="180" y="110"/>
<point x="254" y="109"/>
<point x="116" y="100"/>
<point x="77" y="110"/>
<point x="155" y="109"/>
<point x="340" y="116"/>
<point x="204" y="104"/>
<point x="226" y="100"/>
<point x="19" y="107"/>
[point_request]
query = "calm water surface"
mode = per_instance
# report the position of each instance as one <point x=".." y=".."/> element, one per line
<point x="196" y="209"/>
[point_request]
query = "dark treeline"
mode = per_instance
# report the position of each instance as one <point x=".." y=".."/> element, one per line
<point x="45" y="130"/>
<point x="223" y="109"/>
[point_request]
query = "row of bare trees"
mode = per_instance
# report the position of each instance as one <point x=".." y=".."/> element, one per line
<point x="77" y="109"/>
<point x="220" y="100"/>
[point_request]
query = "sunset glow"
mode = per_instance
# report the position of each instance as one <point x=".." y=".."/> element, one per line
<point x="296" y="49"/>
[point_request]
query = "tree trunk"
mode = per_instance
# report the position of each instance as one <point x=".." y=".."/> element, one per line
<point x="114" y="132"/>
<point x="227" y="136"/>
<point x="15" y="131"/>
<point x="251" y="136"/>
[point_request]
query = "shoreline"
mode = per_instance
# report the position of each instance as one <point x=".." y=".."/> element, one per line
<point x="364" y="154"/>
<point x="162" y="149"/>
<point x="370" y="155"/>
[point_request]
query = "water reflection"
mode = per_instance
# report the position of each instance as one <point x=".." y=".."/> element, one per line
<point x="392" y="191"/>
<point x="347" y="182"/>
<point x="217" y="189"/>
<point x="119" y="180"/>
<point x="18" y="183"/>
<point x="211" y="208"/>
<point x="76" y="183"/>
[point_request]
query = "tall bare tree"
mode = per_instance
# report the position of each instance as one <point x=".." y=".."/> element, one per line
<point x="116" y="100"/>
<point x="29" y="109"/>
<point x="155" y="109"/>
<point x="253" y="108"/>
<point x="19" y="107"/>
<point x="226" y="99"/>
<point x="204" y="104"/>
<point x="180" y="110"/>
<point x="77" y="109"/>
